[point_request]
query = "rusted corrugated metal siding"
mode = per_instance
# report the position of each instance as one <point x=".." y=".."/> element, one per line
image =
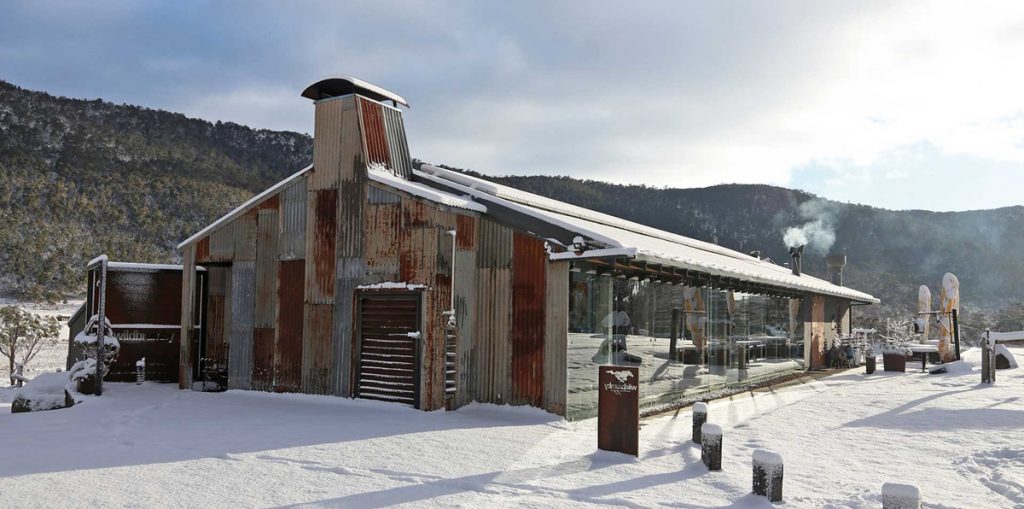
<point x="494" y="312"/>
<point x="328" y="132"/>
<point x="266" y="268"/>
<point x="382" y="224"/>
<point x="465" y="312"/>
<point x="321" y="246"/>
<point x="263" y="359"/>
<point x="529" y="266"/>
<point x="245" y="236"/>
<point x="240" y="341"/>
<point x="188" y="280"/>
<point x="317" y="357"/>
<point x="203" y="250"/>
<point x="556" y="328"/>
<point x="222" y="243"/>
<point x="350" y="275"/>
<point x="216" y="339"/>
<point x="375" y="139"/>
<point x="292" y="244"/>
<point x="397" y="144"/>
<point x="265" y="316"/>
<point x="288" y="350"/>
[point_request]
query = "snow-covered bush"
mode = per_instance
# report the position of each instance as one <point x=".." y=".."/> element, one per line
<point x="899" y="335"/>
<point x="87" y="340"/>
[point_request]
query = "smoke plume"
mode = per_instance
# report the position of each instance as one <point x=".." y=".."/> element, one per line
<point x="818" y="233"/>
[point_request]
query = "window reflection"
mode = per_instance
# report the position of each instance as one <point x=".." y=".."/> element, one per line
<point x="722" y="337"/>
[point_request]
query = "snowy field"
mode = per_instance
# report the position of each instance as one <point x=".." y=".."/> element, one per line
<point x="841" y="437"/>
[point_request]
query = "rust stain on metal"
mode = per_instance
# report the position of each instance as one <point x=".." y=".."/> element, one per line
<point x="465" y="226"/>
<point x="374" y="134"/>
<point x="318" y="356"/>
<point x="263" y="359"/>
<point x="383" y="223"/>
<point x="288" y="349"/>
<point x="324" y="242"/>
<point x="528" y="307"/>
<point x="203" y="250"/>
<point x="273" y="202"/>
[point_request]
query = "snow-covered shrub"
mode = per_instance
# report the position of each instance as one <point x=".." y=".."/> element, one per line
<point x="898" y="337"/>
<point x="47" y="391"/>
<point x="87" y="340"/>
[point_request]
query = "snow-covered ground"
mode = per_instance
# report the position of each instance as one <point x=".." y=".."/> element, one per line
<point x="841" y="437"/>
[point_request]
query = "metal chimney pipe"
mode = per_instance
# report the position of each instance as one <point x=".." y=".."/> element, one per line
<point x="795" y="253"/>
<point x="836" y="262"/>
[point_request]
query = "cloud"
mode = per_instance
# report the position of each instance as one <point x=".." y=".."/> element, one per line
<point x="675" y="93"/>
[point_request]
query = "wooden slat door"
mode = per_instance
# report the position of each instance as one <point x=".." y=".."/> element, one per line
<point x="389" y="339"/>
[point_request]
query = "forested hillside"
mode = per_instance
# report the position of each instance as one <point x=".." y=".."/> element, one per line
<point x="79" y="178"/>
<point x="82" y="177"/>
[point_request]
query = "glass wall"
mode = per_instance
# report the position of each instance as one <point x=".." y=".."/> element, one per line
<point x="722" y="338"/>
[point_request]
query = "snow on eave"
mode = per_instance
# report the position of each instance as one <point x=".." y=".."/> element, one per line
<point x="380" y="174"/>
<point x="250" y="203"/>
<point x="522" y="209"/>
<point x="543" y="203"/>
<point x="741" y="266"/>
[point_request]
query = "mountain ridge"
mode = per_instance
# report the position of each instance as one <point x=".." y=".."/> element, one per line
<point x="80" y="176"/>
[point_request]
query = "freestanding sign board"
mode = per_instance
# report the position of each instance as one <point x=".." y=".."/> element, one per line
<point x="618" y="409"/>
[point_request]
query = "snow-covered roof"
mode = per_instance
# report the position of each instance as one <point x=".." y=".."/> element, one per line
<point x="335" y="86"/>
<point x="243" y="208"/>
<point x="380" y="174"/>
<point x="622" y="237"/>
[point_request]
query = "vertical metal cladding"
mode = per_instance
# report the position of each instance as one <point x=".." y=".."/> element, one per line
<point x="288" y="349"/>
<point x="464" y="287"/>
<point x="375" y="141"/>
<point x="244" y="227"/>
<point x="203" y="250"/>
<point x="383" y="221"/>
<point x="222" y="243"/>
<point x="322" y="245"/>
<point x="328" y="133"/>
<point x="317" y="355"/>
<point x="556" y="328"/>
<point x="266" y="268"/>
<point x="529" y="267"/>
<point x="188" y="280"/>
<point x="494" y="312"/>
<point x="240" y="341"/>
<point x="265" y="315"/>
<point x="292" y="244"/>
<point x="397" y="143"/>
<point x="350" y="274"/>
<point x="216" y="339"/>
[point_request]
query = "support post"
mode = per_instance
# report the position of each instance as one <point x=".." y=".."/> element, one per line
<point x="675" y="335"/>
<point x="700" y="416"/>
<point x="711" y="446"/>
<point x="956" y="332"/>
<point x="767" y="468"/>
<point x="988" y="361"/>
<point x="101" y="326"/>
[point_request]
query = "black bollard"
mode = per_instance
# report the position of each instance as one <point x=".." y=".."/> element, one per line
<point x="900" y="496"/>
<point x="768" y="475"/>
<point x="700" y="416"/>
<point x="711" y="446"/>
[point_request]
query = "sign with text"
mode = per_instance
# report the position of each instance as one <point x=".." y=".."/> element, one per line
<point x="618" y="409"/>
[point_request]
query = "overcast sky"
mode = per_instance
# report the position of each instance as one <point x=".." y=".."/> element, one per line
<point x="899" y="105"/>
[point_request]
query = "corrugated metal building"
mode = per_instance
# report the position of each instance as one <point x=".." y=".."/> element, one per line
<point x="362" y="276"/>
